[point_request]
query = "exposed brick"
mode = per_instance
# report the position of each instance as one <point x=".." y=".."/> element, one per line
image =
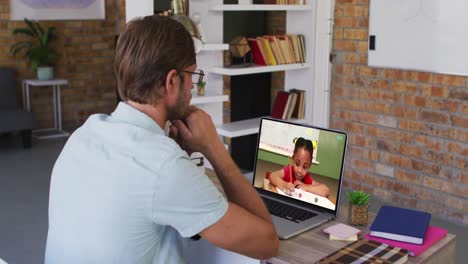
<point x="443" y="104"/>
<point x="404" y="87"/>
<point x="397" y="160"/>
<point x="387" y="121"/>
<point x="385" y="170"/>
<point x="368" y="71"/>
<point x="379" y="84"/>
<point x="437" y="184"/>
<point x="431" y="90"/>
<point x="408" y="177"/>
<point x="351" y="22"/>
<point x="463" y="176"/>
<point x="405" y="112"/>
<point x="386" y="145"/>
<point x="392" y="74"/>
<point x="355" y="34"/>
<point x="410" y="151"/>
<point x="363" y="165"/>
<point x="435" y="117"/>
<point x="449" y="80"/>
<point x="429" y="142"/>
<point x="345" y="45"/>
<point x="346" y="69"/>
<point x="459" y="121"/>
<point x="426" y="167"/>
<point x="460" y="190"/>
<point x="414" y="100"/>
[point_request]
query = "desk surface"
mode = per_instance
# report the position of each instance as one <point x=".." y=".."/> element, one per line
<point x="312" y="245"/>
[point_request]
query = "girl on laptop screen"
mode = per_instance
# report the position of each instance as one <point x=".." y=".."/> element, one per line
<point x="297" y="175"/>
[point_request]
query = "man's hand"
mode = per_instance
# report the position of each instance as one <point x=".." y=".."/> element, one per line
<point x="196" y="133"/>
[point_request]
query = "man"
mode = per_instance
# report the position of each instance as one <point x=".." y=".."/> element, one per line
<point x="124" y="192"/>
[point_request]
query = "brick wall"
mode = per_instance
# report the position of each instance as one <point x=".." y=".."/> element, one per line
<point x="86" y="49"/>
<point x="408" y="130"/>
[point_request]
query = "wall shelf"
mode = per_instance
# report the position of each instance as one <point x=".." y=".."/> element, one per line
<point x="208" y="98"/>
<point x="244" y="127"/>
<point x="261" y="8"/>
<point x="214" y="47"/>
<point x="258" y="69"/>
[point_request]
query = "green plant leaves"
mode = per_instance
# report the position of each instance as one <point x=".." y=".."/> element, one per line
<point x="37" y="50"/>
<point x="358" y="197"/>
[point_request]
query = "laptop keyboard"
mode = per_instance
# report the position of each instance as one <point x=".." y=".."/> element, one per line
<point x="287" y="212"/>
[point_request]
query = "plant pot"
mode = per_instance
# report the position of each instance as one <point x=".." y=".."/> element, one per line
<point x="200" y="89"/>
<point x="357" y="214"/>
<point x="45" y="73"/>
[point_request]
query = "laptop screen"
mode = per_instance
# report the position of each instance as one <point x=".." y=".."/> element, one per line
<point x="300" y="162"/>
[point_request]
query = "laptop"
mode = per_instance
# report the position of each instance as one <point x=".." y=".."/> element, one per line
<point x="296" y="211"/>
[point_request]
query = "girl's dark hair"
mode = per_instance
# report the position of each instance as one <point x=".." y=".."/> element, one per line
<point x="301" y="142"/>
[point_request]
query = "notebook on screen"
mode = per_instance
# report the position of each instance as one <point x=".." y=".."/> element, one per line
<point x="298" y="173"/>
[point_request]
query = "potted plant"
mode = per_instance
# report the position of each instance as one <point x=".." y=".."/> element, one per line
<point x="358" y="207"/>
<point x="37" y="48"/>
<point x="201" y="88"/>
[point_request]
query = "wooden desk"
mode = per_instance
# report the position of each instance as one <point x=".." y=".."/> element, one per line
<point x="312" y="245"/>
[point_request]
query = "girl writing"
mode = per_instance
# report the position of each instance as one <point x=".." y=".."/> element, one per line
<point x="297" y="175"/>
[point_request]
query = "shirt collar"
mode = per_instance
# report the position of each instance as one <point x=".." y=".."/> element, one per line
<point x="130" y="115"/>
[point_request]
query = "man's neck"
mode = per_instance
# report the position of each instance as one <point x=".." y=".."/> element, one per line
<point x="154" y="112"/>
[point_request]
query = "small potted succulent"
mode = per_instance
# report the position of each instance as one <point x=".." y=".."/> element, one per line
<point x="201" y="88"/>
<point x="358" y="207"/>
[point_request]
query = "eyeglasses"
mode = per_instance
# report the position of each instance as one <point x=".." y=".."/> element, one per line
<point x="197" y="75"/>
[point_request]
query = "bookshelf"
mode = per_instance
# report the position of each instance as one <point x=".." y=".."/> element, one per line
<point x="312" y="20"/>
<point x="257" y="69"/>
<point x="261" y="7"/>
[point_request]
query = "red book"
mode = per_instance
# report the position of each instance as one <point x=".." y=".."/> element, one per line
<point x="280" y="104"/>
<point x="257" y="55"/>
<point x="433" y="234"/>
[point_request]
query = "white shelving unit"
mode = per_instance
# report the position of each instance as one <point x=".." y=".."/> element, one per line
<point x="244" y="127"/>
<point x="261" y="8"/>
<point x="214" y="47"/>
<point x="312" y="20"/>
<point x="209" y="97"/>
<point x="258" y="69"/>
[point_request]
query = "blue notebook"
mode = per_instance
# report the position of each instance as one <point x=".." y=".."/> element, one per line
<point x="400" y="224"/>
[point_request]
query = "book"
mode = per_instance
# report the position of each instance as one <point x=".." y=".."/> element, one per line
<point x="367" y="251"/>
<point x="279" y="104"/>
<point x="287" y="107"/>
<point x="291" y="105"/>
<point x="351" y="238"/>
<point x="400" y="224"/>
<point x="433" y="235"/>
<point x="257" y="55"/>
<point x="341" y="230"/>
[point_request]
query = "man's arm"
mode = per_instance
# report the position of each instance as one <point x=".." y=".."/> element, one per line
<point x="246" y="228"/>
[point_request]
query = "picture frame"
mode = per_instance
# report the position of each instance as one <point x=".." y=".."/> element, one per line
<point x="57" y="9"/>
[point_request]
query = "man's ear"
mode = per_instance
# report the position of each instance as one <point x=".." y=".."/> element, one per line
<point x="170" y="83"/>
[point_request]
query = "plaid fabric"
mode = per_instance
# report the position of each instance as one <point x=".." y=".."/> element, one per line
<point x="366" y="251"/>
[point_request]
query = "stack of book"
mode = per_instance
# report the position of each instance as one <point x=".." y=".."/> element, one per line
<point x="366" y="251"/>
<point x="405" y="228"/>
<point x="274" y="50"/>
<point x="289" y="105"/>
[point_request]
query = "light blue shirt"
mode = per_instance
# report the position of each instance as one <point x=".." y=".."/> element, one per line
<point x="123" y="192"/>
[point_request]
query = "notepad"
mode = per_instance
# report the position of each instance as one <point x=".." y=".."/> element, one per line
<point x="342" y="231"/>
